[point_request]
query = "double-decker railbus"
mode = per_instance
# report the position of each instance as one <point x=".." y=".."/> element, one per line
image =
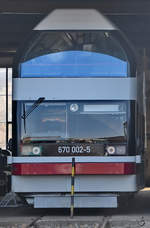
<point x="75" y="105"/>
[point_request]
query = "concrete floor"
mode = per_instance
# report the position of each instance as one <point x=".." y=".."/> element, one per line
<point x="136" y="214"/>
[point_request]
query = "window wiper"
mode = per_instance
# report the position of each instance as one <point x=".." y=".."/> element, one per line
<point x="42" y="139"/>
<point x="84" y="139"/>
<point x="113" y="138"/>
<point x="34" y="106"/>
<point x="125" y="128"/>
<point x="31" y="109"/>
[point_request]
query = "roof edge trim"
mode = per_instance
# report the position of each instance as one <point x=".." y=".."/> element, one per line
<point x="75" y="19"/>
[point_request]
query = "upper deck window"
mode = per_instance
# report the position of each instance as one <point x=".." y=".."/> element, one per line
<point x="75" y="54"/>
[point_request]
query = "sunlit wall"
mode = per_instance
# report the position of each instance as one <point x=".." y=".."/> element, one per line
<point x="3" y="105"/>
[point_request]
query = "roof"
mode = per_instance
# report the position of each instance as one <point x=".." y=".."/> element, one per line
<point x="75" y="19"/>
<point x="18" y="18"/>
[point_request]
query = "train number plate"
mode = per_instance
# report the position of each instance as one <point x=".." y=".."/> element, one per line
<point x="74" y="149"/>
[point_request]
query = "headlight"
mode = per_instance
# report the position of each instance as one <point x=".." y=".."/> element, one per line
<point x="121" y="150"/>
<point x="110" y="150"/>
<point x="116" y="150"/>
<point x="28" y="150"/>
<point x="36" y="150"/>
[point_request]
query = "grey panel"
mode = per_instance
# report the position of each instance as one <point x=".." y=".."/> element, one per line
<point x="83" y="183"/>
<point x="74" y="88"/>
<point x="75" y="19"/>
<point x="80" y="201"/>
<point x="11" y="160"/>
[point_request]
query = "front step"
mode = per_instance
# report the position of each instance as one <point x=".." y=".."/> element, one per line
<point x="80" y="201"/>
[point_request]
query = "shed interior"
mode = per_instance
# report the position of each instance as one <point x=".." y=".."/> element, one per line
<point x="18" y="18"/>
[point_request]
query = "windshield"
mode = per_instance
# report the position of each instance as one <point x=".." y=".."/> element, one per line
<point x="75" y="54"/>
<point x="74" y="120"/>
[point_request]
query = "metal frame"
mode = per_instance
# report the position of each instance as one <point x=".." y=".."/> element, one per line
<point x="73" y="19"/>
<point x="72" y="88"/>
<point x="11" y="160"/>
<point x="80" y="201"/>
<point x="83" y="183"/>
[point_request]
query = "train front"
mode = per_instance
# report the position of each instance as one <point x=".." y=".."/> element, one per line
<point x="74" y="96"/>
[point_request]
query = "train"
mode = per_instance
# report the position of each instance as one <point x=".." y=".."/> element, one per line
<point x="78" y="117"/>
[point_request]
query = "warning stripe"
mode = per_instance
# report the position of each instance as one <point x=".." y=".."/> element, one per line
<point x="72" y="188"/>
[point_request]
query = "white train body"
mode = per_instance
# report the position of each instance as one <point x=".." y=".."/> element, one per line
<point x="75" y="96"/>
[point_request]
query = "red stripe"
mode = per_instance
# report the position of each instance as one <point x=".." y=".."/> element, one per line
<point x="80" y="168"/>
